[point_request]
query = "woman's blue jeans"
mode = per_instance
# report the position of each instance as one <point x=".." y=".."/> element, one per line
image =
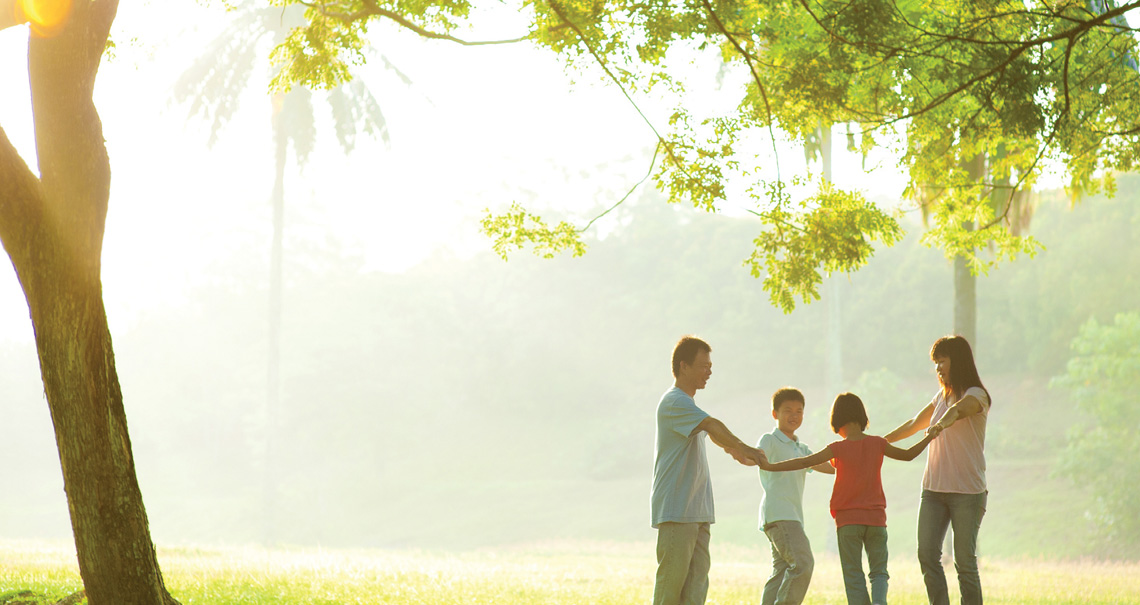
<point x="963" y="512"/>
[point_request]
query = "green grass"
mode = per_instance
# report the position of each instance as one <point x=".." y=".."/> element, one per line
<point x="561" y="573"/>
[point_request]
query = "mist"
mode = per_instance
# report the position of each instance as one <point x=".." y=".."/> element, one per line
<point x="472" y="402"/>
<point x="433" y="395"/>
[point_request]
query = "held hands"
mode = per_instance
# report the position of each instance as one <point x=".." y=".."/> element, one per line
<point x="761" y="459"/>
<point x="935" y="429"/>
<point x="749" y="456"/>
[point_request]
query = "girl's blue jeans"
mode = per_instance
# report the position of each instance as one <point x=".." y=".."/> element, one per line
<point x="853" y="539"/>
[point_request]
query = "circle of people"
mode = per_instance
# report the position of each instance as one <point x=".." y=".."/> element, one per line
<point x="953" y="425"/>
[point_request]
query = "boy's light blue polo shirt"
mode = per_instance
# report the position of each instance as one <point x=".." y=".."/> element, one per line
<point x="682" y="487"/>
<point x="783" y="498"/>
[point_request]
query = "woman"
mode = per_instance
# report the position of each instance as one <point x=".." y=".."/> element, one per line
<point x="954" y="483"/>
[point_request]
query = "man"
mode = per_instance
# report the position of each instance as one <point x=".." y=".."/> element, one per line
<point x="682" y="491"/>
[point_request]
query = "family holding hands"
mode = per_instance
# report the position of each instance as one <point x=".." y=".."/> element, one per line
<point x="953" y="485"/>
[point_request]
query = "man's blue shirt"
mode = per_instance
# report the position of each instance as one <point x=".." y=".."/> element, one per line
<point x="682" y="487"/>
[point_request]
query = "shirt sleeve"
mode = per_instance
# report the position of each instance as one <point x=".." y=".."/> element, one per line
<point x="682" y="416"/>
<point x="882" y="443"/>
<point x="765" y="444"/>
<point x="980" y="394"/>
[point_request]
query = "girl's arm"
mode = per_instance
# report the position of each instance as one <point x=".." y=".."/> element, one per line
<point x="824" y="467"/>
<point x="795" y="464"/>
<point x="912" y="426"/>
<point x="913" y="451"/>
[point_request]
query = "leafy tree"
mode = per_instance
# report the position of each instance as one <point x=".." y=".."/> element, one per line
<point x="1103" y="454"/>
<point x="975" y="98"/>
<point x="52" y="229"/>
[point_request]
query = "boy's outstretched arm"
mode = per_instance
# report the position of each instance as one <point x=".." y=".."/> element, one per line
<point x="824" y="467"/>
<point x="795" y="464"/>
<point x="913" y="451"/>
<point x="912" y="426"/>
<point x="720" y="435"/>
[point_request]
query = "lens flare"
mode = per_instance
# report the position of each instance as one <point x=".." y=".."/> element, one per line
<point x="45" y="17"/>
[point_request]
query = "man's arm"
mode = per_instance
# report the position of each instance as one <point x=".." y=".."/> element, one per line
<point x="795" y="464"/>
<point x="912" y="426"/>
<point x="720" y="435"/>
<point x="966" y="407"/>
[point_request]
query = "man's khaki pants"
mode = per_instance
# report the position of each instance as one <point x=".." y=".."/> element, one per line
<point x="682" y="564"/>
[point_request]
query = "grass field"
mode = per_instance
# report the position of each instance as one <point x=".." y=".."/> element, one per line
<point x="561" y="573"/>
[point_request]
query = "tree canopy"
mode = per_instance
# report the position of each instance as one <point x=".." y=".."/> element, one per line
<point x="946" y="85"/>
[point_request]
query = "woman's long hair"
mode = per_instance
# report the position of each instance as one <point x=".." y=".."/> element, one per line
<point x="963" y="372"/>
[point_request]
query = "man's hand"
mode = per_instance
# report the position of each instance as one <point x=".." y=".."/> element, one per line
<point x="743" y="456"/>
<point x="749" y="456"/>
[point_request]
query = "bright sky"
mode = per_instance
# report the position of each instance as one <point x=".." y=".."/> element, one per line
<point x="479" y="127"/>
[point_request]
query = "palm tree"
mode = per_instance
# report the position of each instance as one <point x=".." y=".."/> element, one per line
<point x="213" y="86"/>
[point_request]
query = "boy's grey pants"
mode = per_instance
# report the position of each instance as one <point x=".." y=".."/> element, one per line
<point x="792" y="564"/>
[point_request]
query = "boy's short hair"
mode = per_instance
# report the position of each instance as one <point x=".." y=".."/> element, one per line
<point x="686" y="351"/>
<point x="786" y="394"/>
<point x="846" y="409"/>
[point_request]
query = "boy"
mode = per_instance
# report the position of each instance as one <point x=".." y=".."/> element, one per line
<point x="781" y="509"/>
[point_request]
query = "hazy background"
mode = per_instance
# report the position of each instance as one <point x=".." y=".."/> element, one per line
<point x="433" y="395"/>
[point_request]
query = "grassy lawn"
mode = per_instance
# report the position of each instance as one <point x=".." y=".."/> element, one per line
<point x="554" y="573"/>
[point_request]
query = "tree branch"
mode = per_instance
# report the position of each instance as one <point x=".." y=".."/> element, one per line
<point x="20" y="193"/>
<point x="371" y="9"/>
<point x="755" y="76"/>
<point x="605" y="67"/>
<point x="1022" y="46"/>
<point x="648" y="173"/>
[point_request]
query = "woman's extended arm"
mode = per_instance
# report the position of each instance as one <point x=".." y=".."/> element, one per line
<point x="795" y="464"/>
<point x="912" y="426"/>
<point x="966" y="407"/>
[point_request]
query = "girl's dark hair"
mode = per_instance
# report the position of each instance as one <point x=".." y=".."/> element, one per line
<point x="963" y="372"/>
<point x="846" y="409"/>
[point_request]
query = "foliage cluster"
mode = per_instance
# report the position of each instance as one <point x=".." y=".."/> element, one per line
<point x="1103" y="453"/>
<point x="975" y="98"/>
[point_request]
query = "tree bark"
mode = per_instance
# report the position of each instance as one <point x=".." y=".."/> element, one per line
<point x="965" y="282"/>
<point x="52" y="228"/>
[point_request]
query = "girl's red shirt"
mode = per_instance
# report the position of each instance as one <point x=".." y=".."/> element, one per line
<point x="857" y="498"/>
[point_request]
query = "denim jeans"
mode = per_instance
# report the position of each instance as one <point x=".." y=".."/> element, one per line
<point x="853" y="539"/>
<point x="792" y="564"/>
<point x="682" y="564"/>
<point x="963" y="512"/>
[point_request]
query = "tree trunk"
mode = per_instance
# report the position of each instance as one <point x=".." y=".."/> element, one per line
<point x="965" y="282"/>
<point x="52" y="229"/>
<point x="965" y="301"/>
<point x="833" y="292"/>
